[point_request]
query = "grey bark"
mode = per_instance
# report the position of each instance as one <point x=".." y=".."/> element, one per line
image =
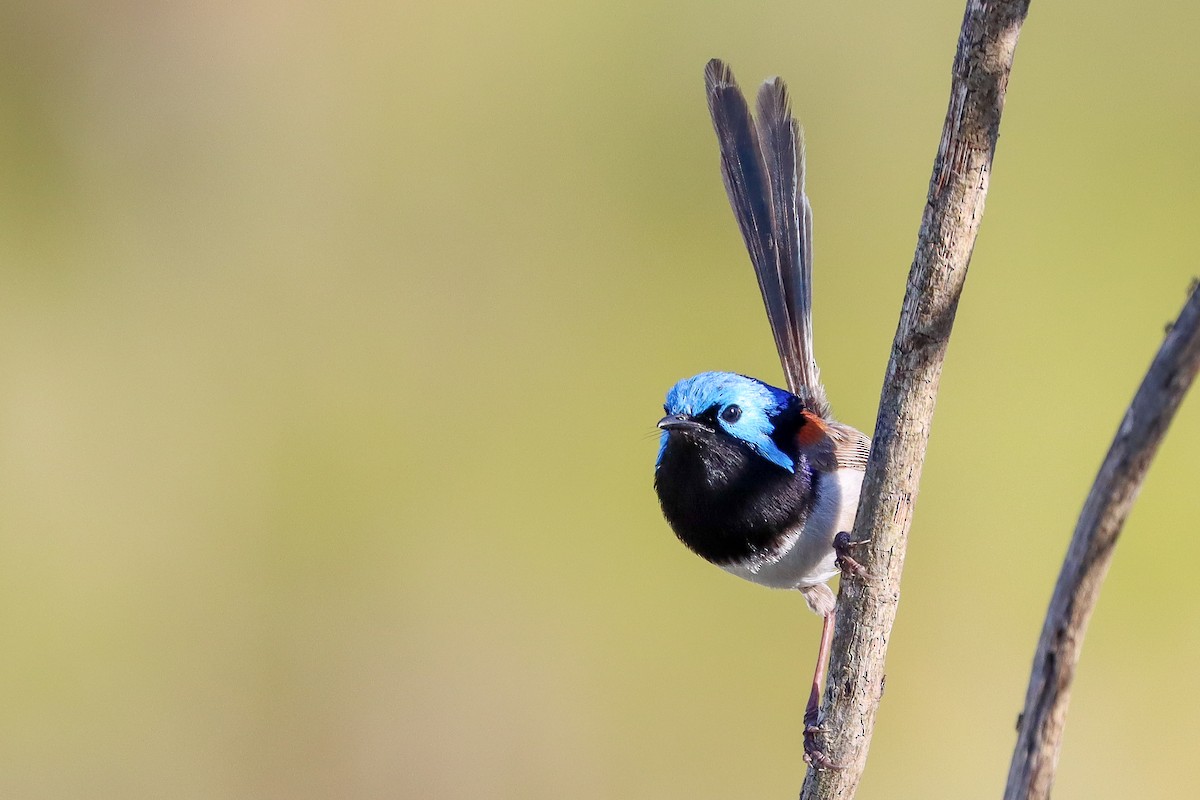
<point x="866" y="608"/>
<point x="1040" y="729"/>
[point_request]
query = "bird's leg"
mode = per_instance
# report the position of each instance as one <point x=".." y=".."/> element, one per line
<point x="812" y="710"/>
<point x="841" y="546"/>
<point x="813" y="754"/>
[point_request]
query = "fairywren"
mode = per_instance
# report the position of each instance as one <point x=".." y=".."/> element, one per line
<point x="753" y="478"/>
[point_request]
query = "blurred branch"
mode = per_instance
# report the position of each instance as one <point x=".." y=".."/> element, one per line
<point x="1040" y="728"/>
<point x="867" y="609"/>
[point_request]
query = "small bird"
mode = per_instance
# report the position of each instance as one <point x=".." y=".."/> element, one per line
<point x="753" y="478"/>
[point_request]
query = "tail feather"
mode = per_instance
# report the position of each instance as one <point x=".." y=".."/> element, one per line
<point x="762" y="163"/>
<point x="783" y="149"/>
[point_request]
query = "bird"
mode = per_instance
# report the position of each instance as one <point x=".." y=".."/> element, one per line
<point x="756" y="479"/>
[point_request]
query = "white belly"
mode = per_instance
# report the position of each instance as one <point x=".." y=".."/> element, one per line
<point x="806" y="557"/>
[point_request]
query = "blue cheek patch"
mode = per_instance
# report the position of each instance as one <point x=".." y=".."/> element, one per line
<point x="755" y="428"/>
<point x="771" y="452"/>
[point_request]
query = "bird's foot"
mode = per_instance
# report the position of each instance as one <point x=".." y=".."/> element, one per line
<point x="848" y="565"/>
<point x="814" y="755"/>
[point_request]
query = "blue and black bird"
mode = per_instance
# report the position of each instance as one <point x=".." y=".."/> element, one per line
<point x="755" y="479"/>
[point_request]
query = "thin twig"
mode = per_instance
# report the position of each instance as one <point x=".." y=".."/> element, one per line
<point x="867" y="609"/>
<point x="1031" y="773"/>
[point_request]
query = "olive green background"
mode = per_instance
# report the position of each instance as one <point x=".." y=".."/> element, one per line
<point x="332" y="341"/>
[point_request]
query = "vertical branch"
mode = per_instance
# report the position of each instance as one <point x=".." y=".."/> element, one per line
<point x="867" y="609"/>
<point x="1035" y="758"/>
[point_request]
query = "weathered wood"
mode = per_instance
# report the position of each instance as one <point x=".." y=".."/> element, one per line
<point x="866" y="609"/>
<point x="1039" y="733"/>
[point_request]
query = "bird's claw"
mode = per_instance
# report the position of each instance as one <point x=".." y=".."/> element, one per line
<point x="814" y="756"/>
<point x="848" y="565"/>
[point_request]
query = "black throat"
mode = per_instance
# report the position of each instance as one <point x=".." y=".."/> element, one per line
<point x="725" y="501"/>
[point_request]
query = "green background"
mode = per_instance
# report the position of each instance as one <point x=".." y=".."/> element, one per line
<point x="332" y="341"/>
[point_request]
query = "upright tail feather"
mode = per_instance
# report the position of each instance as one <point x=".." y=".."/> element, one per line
<point x="783" y="149"/>
<point x="763" y="168"/>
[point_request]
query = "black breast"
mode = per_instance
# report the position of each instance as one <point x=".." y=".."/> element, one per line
<point x="726" y="502"/>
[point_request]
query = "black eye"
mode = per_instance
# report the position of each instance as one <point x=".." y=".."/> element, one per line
<point x="731" y="414"/>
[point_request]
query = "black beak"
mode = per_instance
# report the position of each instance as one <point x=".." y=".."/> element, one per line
<point x="681" y="422"/>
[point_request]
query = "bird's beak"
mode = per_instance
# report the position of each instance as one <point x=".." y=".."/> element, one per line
<point x="681" y="422"/>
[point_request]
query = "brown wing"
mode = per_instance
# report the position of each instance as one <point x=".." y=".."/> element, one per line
<point x="831" y="445"/>
<point x="851" y="447"/>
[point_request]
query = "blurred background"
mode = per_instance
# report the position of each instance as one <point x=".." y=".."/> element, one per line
<point x="332" y="342"/>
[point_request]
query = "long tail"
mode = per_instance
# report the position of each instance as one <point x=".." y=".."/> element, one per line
<point x="762" y="164"/>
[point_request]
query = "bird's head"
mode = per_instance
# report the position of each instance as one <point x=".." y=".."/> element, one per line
<point x="713" y="405"/>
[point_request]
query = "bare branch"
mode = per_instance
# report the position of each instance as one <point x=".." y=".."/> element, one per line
<point x="867" y="609"/>
<point x="1031" y="773"/>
